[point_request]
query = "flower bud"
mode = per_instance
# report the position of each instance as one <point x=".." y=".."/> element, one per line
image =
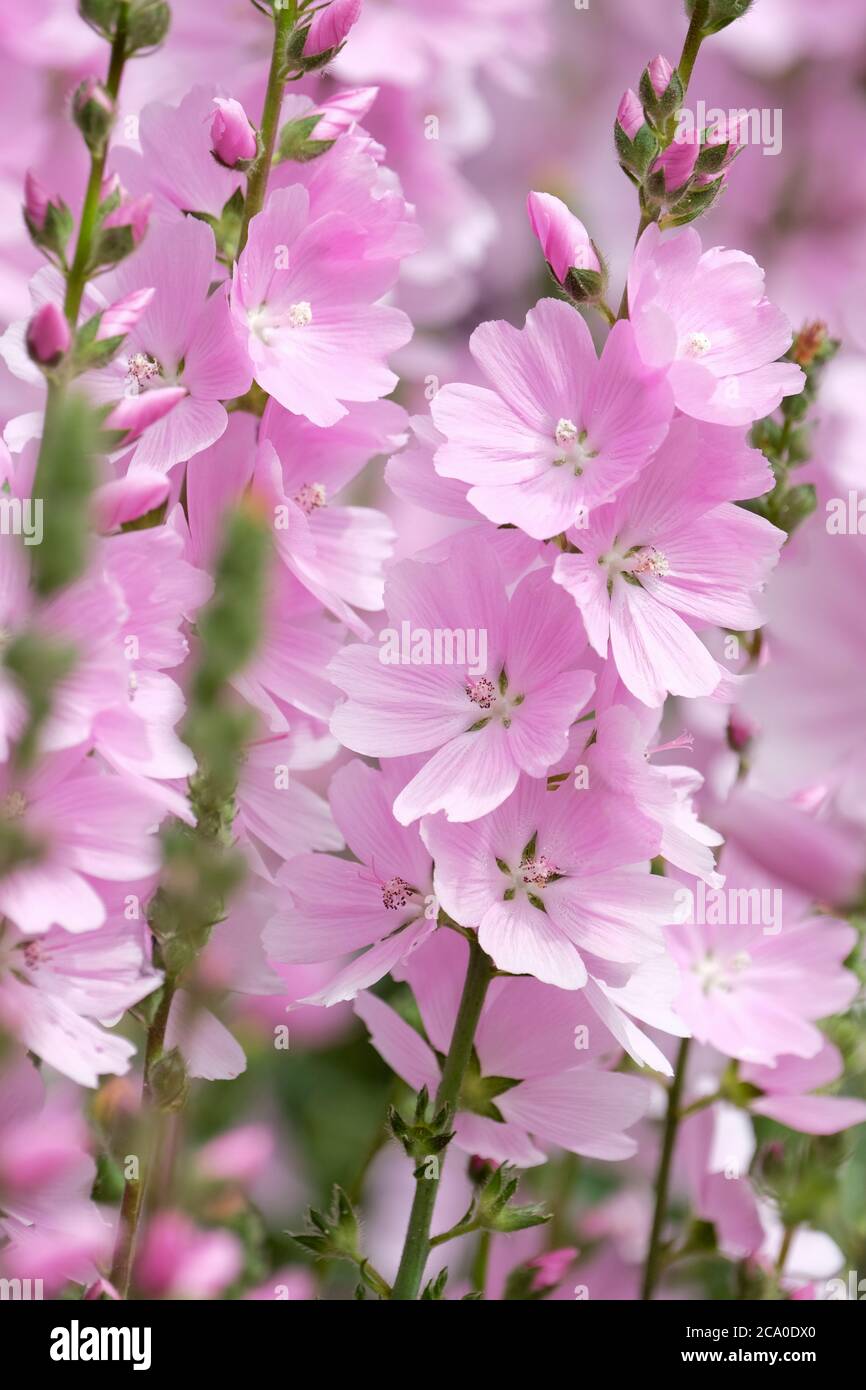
<point x="672" y="171"/>
<point x="661" y="91"/>
<point x="234" y="143"/>
<point x="132" y="415"/>
<point x="93" y="112"/>
<point x="315" y="44"/>
<point x="330" y="26"/>
<point x="568" y="250"/>
<point x="133" y="213"/>
<point x="36" y="201"/>
<point x="636" y="144"/>
<point x="48" y="335"/>
<point x="720" y="14"/>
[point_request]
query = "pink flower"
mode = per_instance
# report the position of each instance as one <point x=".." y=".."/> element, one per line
<point x="239" y="1155"/>
<point x="704" y="318"/>
<point x="183" y="343"/>
<point x="755" y="995"/>
<point x="530" y="1084"/>
<point x="233" y="138"/>
<point x="383" y="900"/>
<point x="304" y="302"/>
<point x="94" y="829"/>
<point x="562" y="236"/>
<point x="553" y="876"/>
<point x="672" y="554"/>
<point x="786" y="1086"/>
<point x="342" y="111"/>
<point x="48" y="336"/>
<point x="561" y="431"/>
<point x="330" y="26"/>
<point x="177" y="1260"/>
<point x="484" y="721"/>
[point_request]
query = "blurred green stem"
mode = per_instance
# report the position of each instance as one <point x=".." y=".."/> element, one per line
<point x="652" y="1269"/>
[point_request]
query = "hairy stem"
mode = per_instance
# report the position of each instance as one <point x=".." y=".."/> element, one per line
<point x="417" y="1245"/>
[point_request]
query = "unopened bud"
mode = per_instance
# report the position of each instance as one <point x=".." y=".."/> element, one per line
<point x="234" y="143"/>
<point x="48" y="335"/>
<point x="93" y="112"/>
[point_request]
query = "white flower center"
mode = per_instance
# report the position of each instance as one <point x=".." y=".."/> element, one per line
<point x="572" y="448"/>
<point x="696" y="345"/>
<point x="720" y="975"/>
<point x="301" y="314"/>
<point x="651" y="561"/>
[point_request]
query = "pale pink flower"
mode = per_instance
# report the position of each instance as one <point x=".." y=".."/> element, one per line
<point x="552" y="876"/>
<point x="304" y="299"/>
<point x="482" y="726"/>
<point x="533" y="1084"/>
<point x="179" y="1260"/>
<point x="787" y="1085"/>
<point x="703" y="317"/>
<point x="383" y="901"/>
<point x="673" y="554"/>
<point x="561" y="431"/>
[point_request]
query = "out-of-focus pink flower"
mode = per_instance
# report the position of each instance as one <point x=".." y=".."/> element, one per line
<point x="330" y="26"/>
<point x="786" y="1086"/>
<point x="240" y="1155"/>
<point x="48" y="335"/>
<point x="128" y="498"/>
<point x="179" y="1260"/>
<point x="232" y="136"/>
<point x="562" y="236"/>
<point x="343" y="110"/>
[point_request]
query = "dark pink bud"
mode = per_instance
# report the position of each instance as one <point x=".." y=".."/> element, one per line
<point x="133" y="414"/>
<point x="562" y="236"/>
<point x="677" y="162"/>
<point x="48" y="335"/>
<point x="330" y="26"/>
<point x="122" y="316"/>
<point x="232" y="137"/>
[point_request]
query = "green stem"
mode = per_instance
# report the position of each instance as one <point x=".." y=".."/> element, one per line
<point x="257" y="180"/>
<point x="480" y="1262"/>
<point x="694" y="38"/>
<point x="78" y="272"/>
<point x="134" y="1189"/>
<point x="672" y="1120"/>
<point x="417" y="1246"/>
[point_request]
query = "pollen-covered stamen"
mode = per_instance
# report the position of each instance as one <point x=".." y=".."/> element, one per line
<point x="13" y="806"/>
<point x="696" y="344"/>
<point x="396" y="893"/>
<point x="566" y="433"/>
<point x="300" y="314"/>
<point x="481" y="691"/>
<point x="310" y="497"/>
<point x="573" y="447"/>
<point x="538" y="871"/>
<point x="651" y="561"/>
<point x="32" y="954"/>
<point x="140" y="369"/>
